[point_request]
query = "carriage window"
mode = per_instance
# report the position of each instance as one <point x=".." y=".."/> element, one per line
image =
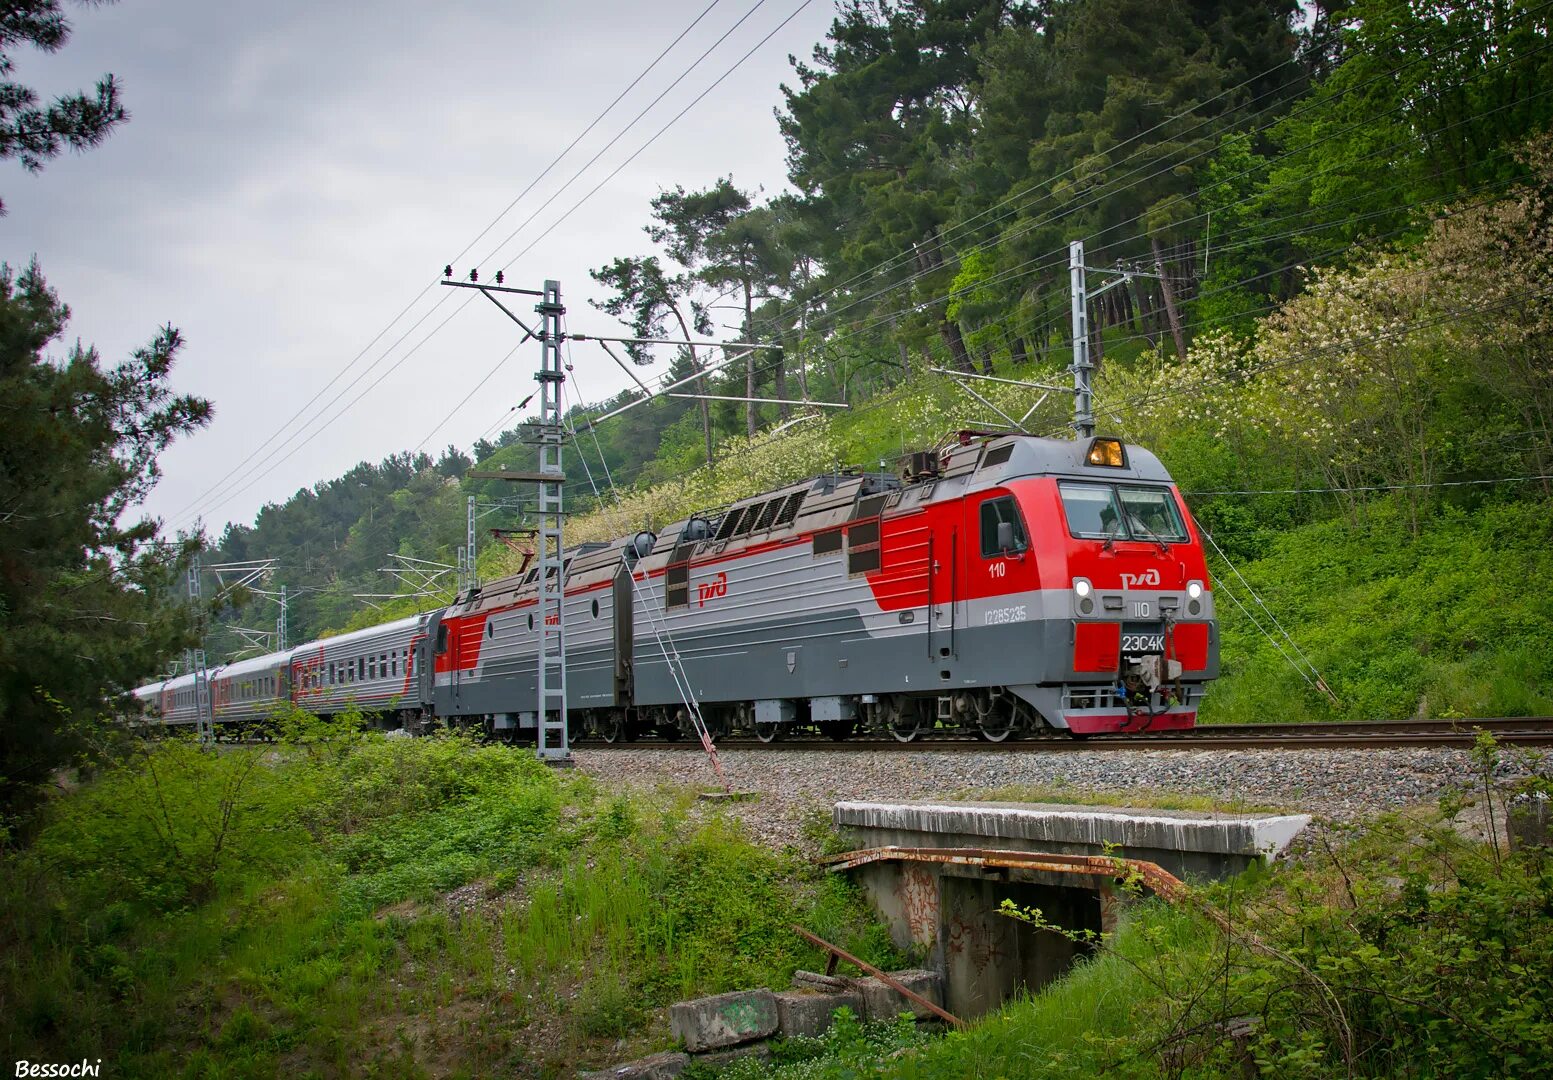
<point x="361" y="668"/>
<point x="1152" y="514"/>
<point x="1093" y="513"/>
<point x="995" y="512"/>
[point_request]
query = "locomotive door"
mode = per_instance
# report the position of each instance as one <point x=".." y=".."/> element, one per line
<point x="424" y="665"/>
<point x="624" y="614"/>
<point x="945" y="587"/>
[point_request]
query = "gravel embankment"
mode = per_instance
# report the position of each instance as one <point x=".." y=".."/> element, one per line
<point x="1338" y="784"/>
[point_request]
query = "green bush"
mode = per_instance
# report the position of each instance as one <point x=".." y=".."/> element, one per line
<point x="174" y="825"/>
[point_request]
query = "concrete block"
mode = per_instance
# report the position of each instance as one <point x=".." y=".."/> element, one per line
<point x="711" y="1023"/>
<point x="721" y="1059"/>
<point x="806" y="1014"/>
<point x="658" y="1067"/>
<point x="1186" y="843"/>
<point x="884" y="1002"/>
<point x="825" y="984"/>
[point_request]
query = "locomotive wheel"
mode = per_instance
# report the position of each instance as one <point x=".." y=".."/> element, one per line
<point x="768" y="732"/>
<point x="996" y="717"/>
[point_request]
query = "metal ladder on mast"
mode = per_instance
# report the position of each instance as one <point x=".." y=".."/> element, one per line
<point x="553" y="738"/>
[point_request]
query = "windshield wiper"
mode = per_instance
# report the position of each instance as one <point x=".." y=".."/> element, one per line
<point x="1146" y="531"/>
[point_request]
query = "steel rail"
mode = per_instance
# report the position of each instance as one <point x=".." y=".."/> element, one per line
<point x="1382" y="734"/>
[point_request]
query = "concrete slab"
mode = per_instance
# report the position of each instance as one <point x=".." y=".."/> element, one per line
<point x="721" y="1059"/>
<point x="658" y="1067"/>
<point x="883" y="1002"/>
<point x="711" y="1023"/>
<point x="825" y="984"/>
<point x="1186" y="843"/>
<point x="808" y="1014"/>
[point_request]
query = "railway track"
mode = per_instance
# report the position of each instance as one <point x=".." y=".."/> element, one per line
<point x="1380" y="734"/>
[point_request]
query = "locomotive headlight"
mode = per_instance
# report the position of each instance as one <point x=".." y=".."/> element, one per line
<point x="1194" y="589"/>
<point x="1083" y="590"/>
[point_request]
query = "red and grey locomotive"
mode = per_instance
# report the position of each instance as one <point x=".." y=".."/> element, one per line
<point x="1007" y="584"/>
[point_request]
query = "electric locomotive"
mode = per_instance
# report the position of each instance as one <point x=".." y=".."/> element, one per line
<point x="1006" y="584"/>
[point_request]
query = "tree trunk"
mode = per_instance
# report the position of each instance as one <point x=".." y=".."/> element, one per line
<point x="1169" y="292"/>
<point x="986" y="361"/>
<point x="1017" y="351"/>
<point x="905" y="359"/>
<point x="695" y="365"/>
<point x="749" y="361"/>
<point x="1097" y="332"/>
<point x="779" y="374"/>
<point x="956" y="342"/>
<point x="803" y="361"/>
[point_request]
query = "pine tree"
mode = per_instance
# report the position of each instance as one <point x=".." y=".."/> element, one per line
<point x="84" y="586"/>
<point x="34" y="133"/>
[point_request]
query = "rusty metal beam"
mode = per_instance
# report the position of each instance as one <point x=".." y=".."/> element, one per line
<point x="1159" y="880"/>
<point x="884" y="977"/>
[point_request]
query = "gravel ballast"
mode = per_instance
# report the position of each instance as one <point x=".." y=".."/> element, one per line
<point x="1337" y="784"/>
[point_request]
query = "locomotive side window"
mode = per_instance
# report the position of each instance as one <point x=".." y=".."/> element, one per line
<point x="1152" y="514"/>
<point x="1093" y="513"/>
<point x="1001" y="511"/>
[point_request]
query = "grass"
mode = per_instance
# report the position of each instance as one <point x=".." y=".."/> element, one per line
<point x="1445" y="624"/>
<point x="317" y="930"/>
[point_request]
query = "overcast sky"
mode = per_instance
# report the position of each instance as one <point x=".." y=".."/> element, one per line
<point x="295" y="173"/>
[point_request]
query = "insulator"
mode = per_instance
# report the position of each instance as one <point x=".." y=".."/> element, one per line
<point x="499" y="277"/>
<point x="447" y="271"/>
<point x="474" y="275"/>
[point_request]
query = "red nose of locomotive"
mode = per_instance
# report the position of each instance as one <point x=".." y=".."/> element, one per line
<point x="1132" y="592"/>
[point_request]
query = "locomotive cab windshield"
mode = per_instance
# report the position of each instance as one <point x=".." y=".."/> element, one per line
<point x="1122" y="512"/>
